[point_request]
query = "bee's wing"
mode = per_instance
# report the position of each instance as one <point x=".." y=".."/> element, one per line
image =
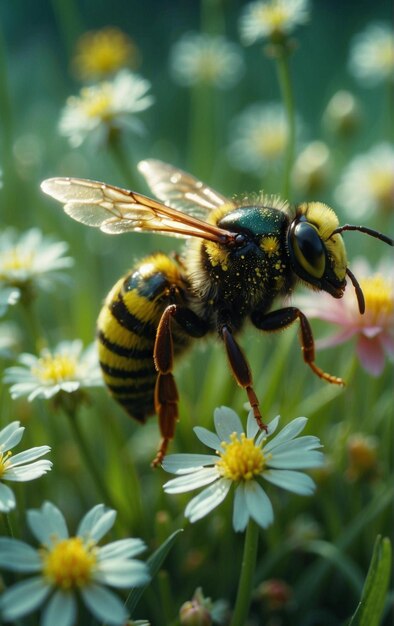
<point x="115" y="210"/>
<point x="180" y="190"/>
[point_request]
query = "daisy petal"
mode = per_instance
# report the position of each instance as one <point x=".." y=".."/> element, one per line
<point x="207" y="500"/>
<point x="290" y="431"/>
<point x="29" y="455"/>
<point x="28" y="472"/>
<point x="297" y="482"/>
<point x="7" y="499"/>
<point x="258" y="504"/>
<point x="10" y="436"/>
<point x="60" y="610"/>
<point x="123" y="548"/>
<point x="207" y="437"/>
<point x="18" y="556"/>
<point x="298" y="459"/>
<point x="252" y="427"/>
<point x="122" y="573"/>
<point x="104" y="604"/>
<point x="23" y="597"/>
<point x="186" y="463"/>
<point x="240" y="510"/>
<point x="226" y="423"/>
<point x="47" y="523"/>
<point x="200" y="478"/>
<point x="97" y="522"/>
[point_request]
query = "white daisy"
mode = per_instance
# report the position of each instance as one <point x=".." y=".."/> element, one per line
<point x="367" y="183"/>
<point x="258" y="138"/>
<point x="244" y="459"/>
<point x="66" y="568"/>
<point x="20" y="467"/>
<point x="371" y="58"/>
<point x="207" y="59"/>
<point x="273" y="19"/>
<point x="67" y="368"/>
<point x="31" y="260"/>
<point x="106" y="106"/>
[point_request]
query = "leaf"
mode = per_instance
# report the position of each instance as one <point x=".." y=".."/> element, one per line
<point x="370" y="609"/>
<point x="154" y="563"/>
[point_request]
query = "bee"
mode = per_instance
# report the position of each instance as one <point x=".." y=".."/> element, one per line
<point x="240" y="256"/>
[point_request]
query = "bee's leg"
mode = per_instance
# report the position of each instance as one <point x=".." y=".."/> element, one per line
<point x="276" y="320"/>
<point x="166" y="393"/>
<point x="241" y="370"/>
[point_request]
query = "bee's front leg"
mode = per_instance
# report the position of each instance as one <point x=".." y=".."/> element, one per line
<point x="241" y="370"/>
<point x="276" y="320"/>
<point x="166" y="393"/>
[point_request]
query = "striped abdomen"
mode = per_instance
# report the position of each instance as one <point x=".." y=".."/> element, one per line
<point x="127" y="329"/>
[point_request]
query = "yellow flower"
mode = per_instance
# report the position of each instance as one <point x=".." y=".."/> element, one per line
<point x="103" y="52"/>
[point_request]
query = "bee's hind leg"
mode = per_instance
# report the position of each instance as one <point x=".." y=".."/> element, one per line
<point x="241" y="371"/>
<point x="166" y="393"/>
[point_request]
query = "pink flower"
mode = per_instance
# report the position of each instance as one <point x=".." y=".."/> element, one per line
<point x="374" y="330"/>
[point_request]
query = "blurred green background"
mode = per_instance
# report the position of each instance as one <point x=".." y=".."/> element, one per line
<point x="37" y="42"/>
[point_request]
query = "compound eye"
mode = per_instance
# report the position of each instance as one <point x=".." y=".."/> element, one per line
<point x="309" y="249"/>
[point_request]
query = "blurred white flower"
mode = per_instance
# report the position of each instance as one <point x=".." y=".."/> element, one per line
<point x="68" y="569"/>
<point x="67" y="368"/>
<point x="206" y="59"/>
<point x="371" y="58"/>
<point x="31" y="260"/>
<point x="272" y="19"/>
<point x="20" y="467"/>
<point x="343" y="113"/>
<point x="106" y="106"/>
<point x="243" y="459"/>
<point x="367" y="183"/>
<point x="258" y="138"/>
<point x="312" y="167"/>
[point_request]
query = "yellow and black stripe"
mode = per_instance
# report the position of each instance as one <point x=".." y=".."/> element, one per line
<point x="127" y="327"/>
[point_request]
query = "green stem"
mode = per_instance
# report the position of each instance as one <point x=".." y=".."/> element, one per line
<point x="89" y="459"/>
<point x="8" y="525"/>
<point x="283" y="69"/>
<point x="122" y="160"/>
<point x="245" y="586"/>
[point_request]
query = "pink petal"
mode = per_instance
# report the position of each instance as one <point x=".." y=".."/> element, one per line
<point x="335" y="340"/>
<point x="371" y="355"/>
<point x="387" y="342"/>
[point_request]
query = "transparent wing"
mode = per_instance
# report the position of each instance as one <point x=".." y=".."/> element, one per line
<point x="115" y="210"/>
<point x="180" y="190"/>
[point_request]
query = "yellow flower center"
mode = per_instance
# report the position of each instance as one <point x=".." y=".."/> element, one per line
<point x="4" y="461"/>
<point x="379" y="297"/>
<point x="241" y="458"/>
<point x="70" y="563"/>
<point x="55" y="368"/>
<point x="103" y="52"/>
<point x="16" y="259"/>
<point x="275" y="16"/>
<point x="271" y="143"/>
<point x="97" y="102"/>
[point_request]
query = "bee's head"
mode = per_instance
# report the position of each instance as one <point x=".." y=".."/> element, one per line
<point x="317" y="256"/>
<point x="317" y="251"/>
